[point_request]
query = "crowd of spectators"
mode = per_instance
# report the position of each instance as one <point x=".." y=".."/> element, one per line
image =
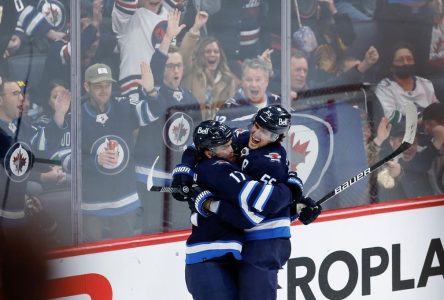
<point x="179" y="62"/>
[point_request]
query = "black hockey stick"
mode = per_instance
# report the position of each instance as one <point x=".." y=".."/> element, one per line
<point x="411" y="121"/>
<point x="48" y="161"/>
<point x="150" y="182"/>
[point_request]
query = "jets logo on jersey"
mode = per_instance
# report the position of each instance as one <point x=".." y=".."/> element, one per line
<point x="121" y="152"/>
<point x="158" y="33"/>
<point x="54" y="12"/>
<point x="177" y="131"/>
<point x="274" y="156"/>
<point x="17" y="162"/>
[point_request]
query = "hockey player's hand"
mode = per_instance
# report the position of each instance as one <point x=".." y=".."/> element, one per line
<point x="182" y="180"/>
<point x="310" y="211"/>
<point x="296" y="186"/>
<point x="202" y="198"/>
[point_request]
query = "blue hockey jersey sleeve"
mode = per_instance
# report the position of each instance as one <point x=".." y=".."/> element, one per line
<point x="254" y="199"/>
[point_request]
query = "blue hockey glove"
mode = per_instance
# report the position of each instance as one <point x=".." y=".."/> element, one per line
<point x="296" y="186"/>
<point x="310" y="211"/>
<point x="182" y="180"/>
<point x="199" y="197"/>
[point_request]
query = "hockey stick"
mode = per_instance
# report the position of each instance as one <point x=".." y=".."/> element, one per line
<point x="411" y="120"/>
<point x="150" y="182"/>
<point x="48" y="161"/>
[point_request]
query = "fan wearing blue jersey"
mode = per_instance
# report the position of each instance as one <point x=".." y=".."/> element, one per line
<point x="215" y="246"/>
<point x="262" y="157"/>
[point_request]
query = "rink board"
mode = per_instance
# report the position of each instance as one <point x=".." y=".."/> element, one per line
<point x="383" y="251"/>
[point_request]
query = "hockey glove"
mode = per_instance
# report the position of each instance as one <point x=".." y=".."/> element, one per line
<point x="296" y="186"/>
<point x="310" y="211"/>
<point x="199" y="197"/>
<point x="182" y="180"/>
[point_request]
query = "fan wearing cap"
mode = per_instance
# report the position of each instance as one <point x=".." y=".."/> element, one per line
<point x="260" y="154"/>
<point x="110" y="203"/>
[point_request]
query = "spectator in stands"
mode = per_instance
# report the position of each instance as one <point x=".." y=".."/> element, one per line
<point x="404" y="177"/>
<point x="402" y="85"/>
<point x="20" y="145"/>
<point x="97" y="44"/>
<point x="253" y="94"/>
<point x="178" y="110"/>
<point x="57" y="110"/>
<point x="30" y="24"/>
<point x="353" y="71"/>
<point x="405" y="21"/>
<point x="437" y="44"/>
<point x="110" y="204"/>
<point x="373" y="143"/>
<point x="139" y="26"/>
<point x="298" y="72"/>
<point x="433" y="124"/>
<point x="206" y="71"/>
<point x="238" y="27"/>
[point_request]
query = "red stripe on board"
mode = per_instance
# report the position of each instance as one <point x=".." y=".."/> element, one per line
<point x="177" y="236"/>
<point x="96" y="286"/>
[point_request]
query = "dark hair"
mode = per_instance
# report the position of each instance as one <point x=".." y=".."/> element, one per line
<point x="173" y="49"/>
<point x="401" y="45"/>
<point x="47" y="94"/>
<point x="434" y="111"/>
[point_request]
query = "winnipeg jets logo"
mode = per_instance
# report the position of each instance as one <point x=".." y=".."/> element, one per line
<point x="54" y="12"/>
<point x="18" y="162"/>
<point x="118" y="147"/>
<point x="177" y="131"/>
<point x="158" y="33"/>
<point x="273" y="156"/>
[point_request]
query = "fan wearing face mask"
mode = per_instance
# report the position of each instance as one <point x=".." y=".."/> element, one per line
<point x="402" y="85"/>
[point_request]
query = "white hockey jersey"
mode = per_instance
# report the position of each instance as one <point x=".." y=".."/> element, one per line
<point x="139" y="31"/>
<point x="393" y="97"/>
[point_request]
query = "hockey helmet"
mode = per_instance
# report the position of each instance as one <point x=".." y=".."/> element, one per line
<point x="210" y="134"/>
<point x="273" y="118"/>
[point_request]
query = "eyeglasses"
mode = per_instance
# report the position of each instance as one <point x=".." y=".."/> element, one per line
<point x="14" y="93"/>
<point x="173" y="66"/>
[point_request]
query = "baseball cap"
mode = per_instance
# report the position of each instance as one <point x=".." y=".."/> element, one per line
<point x="98" y="73"/>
